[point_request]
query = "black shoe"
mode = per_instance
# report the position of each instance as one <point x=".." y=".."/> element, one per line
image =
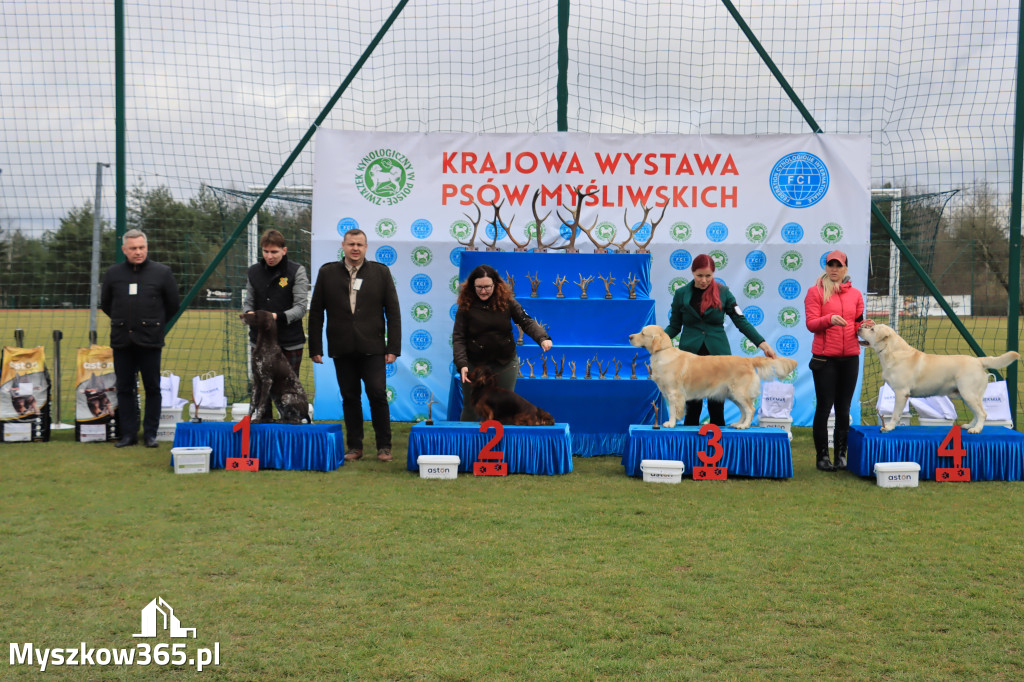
<point x="825" y="464"/>
<point x="126" y="441"/>
<point x="151" y="441"/>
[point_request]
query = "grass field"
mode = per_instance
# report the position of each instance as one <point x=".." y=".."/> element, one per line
<point x="370" y="573"/>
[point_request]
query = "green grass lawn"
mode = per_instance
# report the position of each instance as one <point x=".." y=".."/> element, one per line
<point x="370" y="573"/>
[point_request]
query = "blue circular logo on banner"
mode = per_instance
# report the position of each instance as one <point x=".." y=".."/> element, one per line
<point x="420" y="394"/>
<point x="756" y="260"/>
<point x="642" y="234"/>
<point x="455" y="256"/>
<point x="346" y="224"/>
<point x="453" y="310"/>
<point x="799" y="180"/>
<point x="680" y="259"/>
<point x="565" y="232"/>
<point x="821" y="261"/>
<point x="421" y="339"/>
<point x="390" y="369"/>
<point x="386" y="255"/>
<point x="789" y="289"/>
<point x="491" y="230"/>
<point x="754" y="315"/>
<point x="421" y="284"/>
<point x="717" y="232"/>
<point x="421" y="228"/>
<point x="787" y="345"/>
<point x="792" y="232"/>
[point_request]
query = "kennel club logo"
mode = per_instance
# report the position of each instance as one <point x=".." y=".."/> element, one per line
<point x="799" y="180"/>
<point x="385" y="177"/>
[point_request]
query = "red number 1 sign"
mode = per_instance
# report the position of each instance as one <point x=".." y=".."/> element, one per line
<point x="245" y="462"/>
<point x="952" y="446"/>
<point x="492" y="462"/>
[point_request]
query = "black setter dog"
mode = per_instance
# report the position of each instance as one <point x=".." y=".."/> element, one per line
<point x="272" y="376"/>
<point x="493" y="402"/>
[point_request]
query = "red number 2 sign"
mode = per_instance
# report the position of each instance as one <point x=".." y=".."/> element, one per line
<point x="491" y="462"/>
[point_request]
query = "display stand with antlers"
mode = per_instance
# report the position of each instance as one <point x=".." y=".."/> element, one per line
<point x="534" y="284"/>
<point x="631" y="286"/>
<point x="583" y="284"/>
<point x="560" y="282"/>
<point x="608" y="282"/>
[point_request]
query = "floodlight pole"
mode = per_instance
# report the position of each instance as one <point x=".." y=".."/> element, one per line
<point x="94" y="281"/>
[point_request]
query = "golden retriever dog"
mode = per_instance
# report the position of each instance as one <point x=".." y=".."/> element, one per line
<point x="683" y="376"/>
<point x="912" y="373"/>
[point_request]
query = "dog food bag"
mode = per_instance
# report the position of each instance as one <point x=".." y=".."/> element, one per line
<point x="24" y="395"/>
<point x="95" y="395"/>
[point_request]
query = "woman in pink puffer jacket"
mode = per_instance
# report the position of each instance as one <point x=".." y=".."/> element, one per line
<point x="834" y="311"/>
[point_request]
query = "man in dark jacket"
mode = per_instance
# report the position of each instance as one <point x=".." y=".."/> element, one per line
<point x="279" y="286"/>
<point x="364" y="333"/>
<point x="139" y="296"/>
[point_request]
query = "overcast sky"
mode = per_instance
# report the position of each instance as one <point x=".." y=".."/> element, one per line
<point x="220" y="92"/>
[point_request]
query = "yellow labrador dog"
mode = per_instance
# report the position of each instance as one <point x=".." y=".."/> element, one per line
<point x="683" y="376"/>
<point x="912" y="373"/>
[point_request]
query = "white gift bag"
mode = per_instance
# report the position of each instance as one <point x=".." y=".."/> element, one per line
<point x="776" y="400"/>
<point x="887" y="401"/>
<point x="934" y="407"/>
<point x="169" y="399"/>
<point x="997" y="402"/>
<point x="208" y="391"/>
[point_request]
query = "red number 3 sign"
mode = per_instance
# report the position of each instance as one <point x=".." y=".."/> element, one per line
<point x="711" y="472"/>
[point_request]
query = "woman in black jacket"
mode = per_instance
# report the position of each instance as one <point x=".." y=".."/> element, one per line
<point x="483" y="332"/>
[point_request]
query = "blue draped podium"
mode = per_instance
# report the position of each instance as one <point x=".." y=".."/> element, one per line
<point x="528" y="449"/>
<point x="600" y="411"/>
<point x="758" y="451"/>
<point x="303" y="447"/>
<point x="995" y="454"/>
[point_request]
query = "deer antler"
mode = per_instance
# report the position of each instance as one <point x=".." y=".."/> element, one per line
<point x="539" y="222"/>
<point x="654" y="225"/>
<point x="575" y="225"/>
<point x="507" y="228"/>
<point x="476" y="224"/>
<point x="621" y="246"/>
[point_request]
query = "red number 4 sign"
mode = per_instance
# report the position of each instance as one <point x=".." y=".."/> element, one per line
<point x="952" y="446"/>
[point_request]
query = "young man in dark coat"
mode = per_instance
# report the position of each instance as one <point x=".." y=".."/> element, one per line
<point x="139" y="296"/>
<point x="364" y="334"/>
<point x="281" y="287"/>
